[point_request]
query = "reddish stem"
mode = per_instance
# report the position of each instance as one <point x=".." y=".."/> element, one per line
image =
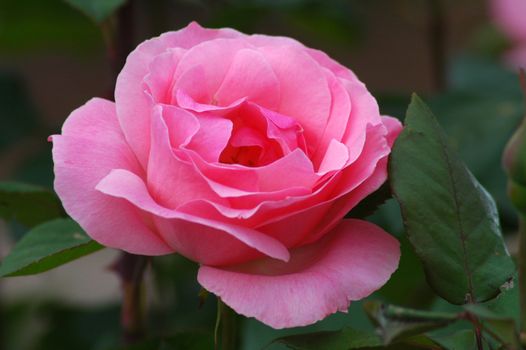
<point x="130" y="269"/>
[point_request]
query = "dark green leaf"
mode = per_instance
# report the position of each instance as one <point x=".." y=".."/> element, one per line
<point x="369" y="205"/>
<point x="98" y="10"/>
<point x="450" y="219"/>
<point x="46" y="246"/>
<point x="462" y="340"/>
<point x="344" y="339"/>
<point x="500" y="327"/>
<point x="396" y="323"/>
<point x="28" y="204"/>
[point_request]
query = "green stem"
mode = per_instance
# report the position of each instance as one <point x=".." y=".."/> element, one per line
<point x="226" y="325"/>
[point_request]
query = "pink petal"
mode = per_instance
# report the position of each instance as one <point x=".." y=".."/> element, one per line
<point x="159" y="80"/>
<point x="338" y="118"/>
<point x="336" y="157"/>
<point x="232" y="180"/>
<point x="184" y="100"/>
<point x="91" y="146"/>
<point x="200" y="239"/>
<point x="394" y="128"/>
<point x="133" y="105"/>
<point x="212" y="137"/>
<point x="350" y="263"/>
<point x="195" y="68"/>
<point x="509" y="16"/>
<point x="305" y="94"/>
<point x="181" y="125"/>
<point x="250" y="76"/>
<point x="172" y="180"/>
<point x="364" y="111"/>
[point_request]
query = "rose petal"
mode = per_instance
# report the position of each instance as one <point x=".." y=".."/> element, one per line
<point x="250" y="76"/>
<point x="200" y="239"/>
<point x="338" y="118"/>
<point x="364" y="111"/>
<point x="133" y="105"/>
<point x="353" y="261"/>
<point x="171" y="180"/>
<point x="304" y="89"/>
<point x="91" y="145"/>
<point x="336" y="157"/>
<point x="212" y="137"/>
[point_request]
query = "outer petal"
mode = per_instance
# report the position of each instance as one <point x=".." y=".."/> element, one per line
<point x="353" y="261"/>
<point x="89" y="148"/>
<point x="202" y="240"/>
<point x="133" y="105"/>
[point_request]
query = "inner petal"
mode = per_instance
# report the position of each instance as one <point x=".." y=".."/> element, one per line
<point x="260" y="136"/>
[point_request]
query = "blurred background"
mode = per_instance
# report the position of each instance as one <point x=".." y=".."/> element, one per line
<point x="53" y="58"/>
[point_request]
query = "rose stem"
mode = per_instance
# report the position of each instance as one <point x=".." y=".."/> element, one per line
<point x="227" y="320"/>
<point x="476" y="324"/>
<point x="118" y="34"/>
<point x="437" y="42"/>
<point x="130" y="269"/>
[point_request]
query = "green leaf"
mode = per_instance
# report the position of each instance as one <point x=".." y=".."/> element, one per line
<point x="396" y="323"/>
<point x="46" y="246"/>
<point x="461" y="340"/>
<point x="501" y="328"/>
<point x="344" y="339"/>
<point x="28" y="204"/>
<point x="195" y="340"/>
<point x="450" y="219"/>
<point x="98" y="10"/>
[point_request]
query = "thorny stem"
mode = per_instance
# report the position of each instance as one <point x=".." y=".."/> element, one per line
<point x="130" y="269"/>
<point x="476" y="324"/>
<point x="437" y="42"/>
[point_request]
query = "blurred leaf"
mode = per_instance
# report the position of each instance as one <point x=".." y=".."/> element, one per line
<point x="98" y="10"/>
<point x="396" y="323"/>
<point x="46" y="246"/>
<point x="18" y="113"/>
<point x="500" y="327"/>
<point x="191" y="340"/>
<point x="450" y="219"/>
<point x="347" y="338"/>
<point x="473" y="110"/>
<point x="28" y="204"/>
<point x="462" y="340"/>
<point x="31" y="26"/>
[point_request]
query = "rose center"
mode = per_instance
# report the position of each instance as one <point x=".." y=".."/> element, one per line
<point x="260" y="136"/>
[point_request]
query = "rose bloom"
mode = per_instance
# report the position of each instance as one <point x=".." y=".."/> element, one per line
<point x="510" y="17"/>
<point x="242" y="153"/>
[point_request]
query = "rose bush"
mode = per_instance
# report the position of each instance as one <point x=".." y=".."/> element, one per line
<point x="509" y="16"/>
<point x="242" y="153"/>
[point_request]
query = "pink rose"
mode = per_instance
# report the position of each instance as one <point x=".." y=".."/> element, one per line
<point x="510" y="17"/>
<point x="242" y="153"/>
